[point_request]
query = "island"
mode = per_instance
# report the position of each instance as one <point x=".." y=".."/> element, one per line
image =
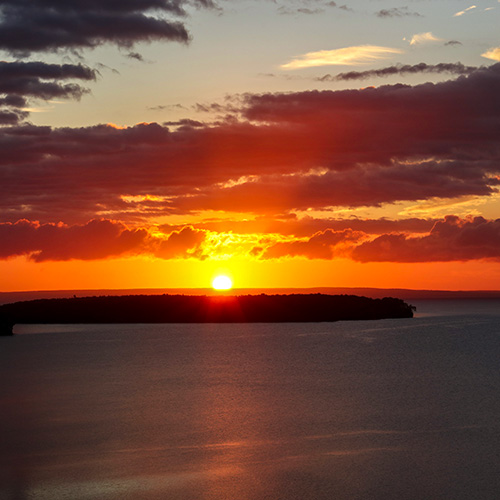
<point x="261" y="308"/>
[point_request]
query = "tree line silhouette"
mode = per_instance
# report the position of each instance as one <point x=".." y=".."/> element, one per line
<point x="203" y="309"/>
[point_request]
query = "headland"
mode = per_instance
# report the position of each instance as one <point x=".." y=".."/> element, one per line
<point x="261" y="308"/>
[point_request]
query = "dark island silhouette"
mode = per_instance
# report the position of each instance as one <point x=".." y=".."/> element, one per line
<point x="262" y="308"/>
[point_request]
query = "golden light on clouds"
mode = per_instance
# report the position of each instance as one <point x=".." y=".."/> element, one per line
<point x="462" y="12"/>
<point x="437" y="208"/>
<point x="348" y="56"/>
<point x="493" y="54"/>
<point x="424" y="38"/>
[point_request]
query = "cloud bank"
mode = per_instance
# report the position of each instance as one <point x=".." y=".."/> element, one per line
<point x="278" y="153"/>
<point x="450" y="239"/>
<point x="50" y="25"/>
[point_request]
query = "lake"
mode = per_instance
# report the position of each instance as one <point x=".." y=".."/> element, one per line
<point x="368" y="410"/>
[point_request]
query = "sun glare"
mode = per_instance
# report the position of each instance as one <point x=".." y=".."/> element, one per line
<point x="222" y="282"/>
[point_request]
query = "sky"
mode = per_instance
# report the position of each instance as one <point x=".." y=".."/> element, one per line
<point x="285" y="143"/>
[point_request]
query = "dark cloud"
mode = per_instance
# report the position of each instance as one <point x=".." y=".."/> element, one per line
<point x="185" y="122"/>
<point x="48" y="25"/>
<point x="163" y="107"/>
<point x="287" y="151"/>
<point x="96" y="239"/>
<point x="17" y="69"/>
<point x="38" y="80"/>
<point x="397" y="12"/>
<point x="453" y="42"/>
<point x="400" y="69"/>
<point x="308" y="7"/>
<point x="136" y="56"/>
<point x="12" y="117"/>
<point x="14" y="101"/>
<point x="30" y="79"/>
<point x="452" y="239"/>
<point x="215" y="107"/>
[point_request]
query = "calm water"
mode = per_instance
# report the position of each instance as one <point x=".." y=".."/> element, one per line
<point x="392" y="409"/>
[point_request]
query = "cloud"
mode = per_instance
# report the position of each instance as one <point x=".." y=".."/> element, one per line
<point x="322" y="245"/>
<point x="397" y="12"/>
<point x="181" y="244"/>
<point x="30" y="79"/>
<point x="400" y="69"/>
<point x="424" y="38"/>
<point x="345" y="56"/>
<point x="367" y="185"/>
<point x="97" y="239"/>
<point x="136" y="56"/>
<point x="12" y="117"/>
<point x="185" y="122"/>
<point x="169" y="107"/>
<point x="50" y="25"/>
<point x="449" y="239"/>
<point x="493" y="53"/>
<point x="452" y="239"/>
<point x="289" y="225"/>
<point x="281" y="152"/>
<point x="462" y="12"/>
<point x="302" y="10"/>
<point x="21" y="81"/>
<point x="307" y="7"/>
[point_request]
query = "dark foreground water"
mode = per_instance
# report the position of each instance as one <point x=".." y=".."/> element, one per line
<point x="392" y="409"/>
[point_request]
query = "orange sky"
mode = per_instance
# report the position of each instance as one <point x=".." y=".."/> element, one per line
<point x="350" y="156"/>
<point x="17" y="274"/>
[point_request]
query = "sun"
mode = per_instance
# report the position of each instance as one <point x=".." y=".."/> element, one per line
<point x="222" y="282"/>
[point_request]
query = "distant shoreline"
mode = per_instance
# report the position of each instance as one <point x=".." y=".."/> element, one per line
<point x="402" y="293"/>
<point x="202" y="309"/>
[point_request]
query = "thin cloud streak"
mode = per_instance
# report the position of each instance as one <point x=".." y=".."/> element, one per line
<point x="462" y="12"/>
<point x="397" y="12"/>
<point x="346" y="56"/>
<point x="400" y="69"/>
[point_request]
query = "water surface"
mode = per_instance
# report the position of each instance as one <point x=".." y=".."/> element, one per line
<point x="391" y="409"/>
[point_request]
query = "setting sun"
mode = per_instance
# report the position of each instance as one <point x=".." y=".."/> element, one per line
<point x="222" y="282"/>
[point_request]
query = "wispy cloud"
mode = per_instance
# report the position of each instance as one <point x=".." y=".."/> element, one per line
<point x="399" y="69"/>
<point x="424" y="38"/>
<point x="462" y="12"/>
<point x="346" y="56"/>
<point x="397" y="12"/>
<point x="493" y="53"/>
